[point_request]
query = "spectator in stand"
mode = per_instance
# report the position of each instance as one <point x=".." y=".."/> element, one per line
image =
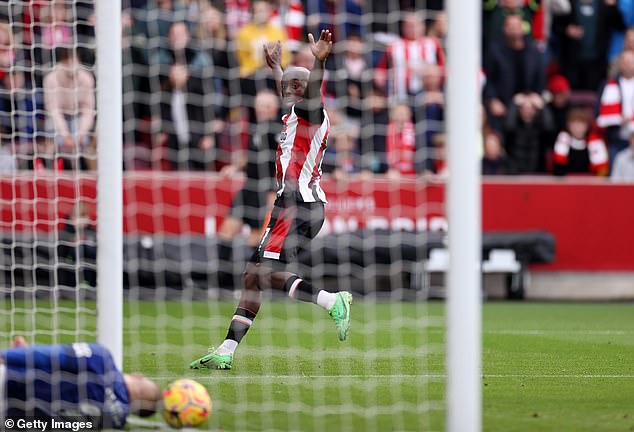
<point x="579" y="149"/>
<point x="559" y="103"/>
<point x="251" y="37"/>
<point x="61" y="23"/>
<point x="616" y="106"/>
<point x="237" y="15"/>
<point x="212" y="37"/>
<point x="401" y="68"/>
<point x="618" y="39"/>
<point x="152" y="23"/>
<point x="341" y="17"/>
<point x="623" y="169"/>
<point x="187" y="129"/>
<point x="181" y="49"/>
<point x="342" y="158"/>
<point x="628" y="45"/>
<point x="583" y="36"/>
<point x="373" y="131"/>
<point x="494" y="161"/>
<point x="513" y="66"/>
<point x="527" y="126"/>
<point x="249" y="52"/>
<point x="186" y="121"/>
<point x="401" y="142"/>
<point x="385" y="15"/>
<point x="542" y="23"/>
<point x="56" y="30"/>
<point x="495" y="13"/>
<point x="69" y="100"/>
<point x="20" y="108"/>
<point x="352" y="77"/>
<point x="289" y="15"/>
<point x="434" y="112"/>
<point x="136" y="110"/>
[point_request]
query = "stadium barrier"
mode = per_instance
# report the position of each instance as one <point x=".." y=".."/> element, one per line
<point x="589" y="218"/>
<point x="372" y="261"/>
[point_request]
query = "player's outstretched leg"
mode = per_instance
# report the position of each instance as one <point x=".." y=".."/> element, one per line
<point x="222" y="357"/>
<point x="337" y="304"/>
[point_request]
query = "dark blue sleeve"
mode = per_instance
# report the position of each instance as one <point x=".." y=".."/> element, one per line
<point x="66" y="381"/>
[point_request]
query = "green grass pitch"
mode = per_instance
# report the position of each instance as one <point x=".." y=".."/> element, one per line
<point x="546" y="367"/>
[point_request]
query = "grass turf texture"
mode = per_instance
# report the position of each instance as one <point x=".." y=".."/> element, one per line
<point x="546" y="367"/>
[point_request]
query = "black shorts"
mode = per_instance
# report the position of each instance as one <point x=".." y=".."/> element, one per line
<point x="293" y="225"/>
<point x="249" y="205"/>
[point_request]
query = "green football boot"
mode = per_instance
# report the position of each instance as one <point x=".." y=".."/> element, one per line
<point x="340" y="312"/>
<point x="213" y="360"/>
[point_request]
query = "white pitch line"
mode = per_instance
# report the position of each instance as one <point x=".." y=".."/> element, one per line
<point x="396" y="376"/>
<point x="270" y="377"/>
<point x="429" y="330"/>
<point x="561" y="376"/>
<point x="558" y="332"/>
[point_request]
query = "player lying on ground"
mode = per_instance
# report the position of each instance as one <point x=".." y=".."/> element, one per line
<point x="298" y="212"/>
<point x="74" y="382"/>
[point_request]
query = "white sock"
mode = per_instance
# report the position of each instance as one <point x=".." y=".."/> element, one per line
<point x="326" y="299"/>
<point x="227" y="347"/>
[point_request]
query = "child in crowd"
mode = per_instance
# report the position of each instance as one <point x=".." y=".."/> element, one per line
<point x="579" y="148"/>
<point x="401" y="142"/>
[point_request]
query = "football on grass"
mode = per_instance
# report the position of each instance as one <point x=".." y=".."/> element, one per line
<point x="186" y="403"/>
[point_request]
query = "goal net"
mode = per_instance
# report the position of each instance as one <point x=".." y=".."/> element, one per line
<point x="201" y="124"/>
<point x="47" y="154"/>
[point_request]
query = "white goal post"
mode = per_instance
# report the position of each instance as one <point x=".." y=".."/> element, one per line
<point x="463" y="359"/>
<point x="109" y="178"/>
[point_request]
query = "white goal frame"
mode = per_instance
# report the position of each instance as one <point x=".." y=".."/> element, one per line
<point x="464" y="334"/>
<point x="463" y="203"/>
<point x="109" y="178"/>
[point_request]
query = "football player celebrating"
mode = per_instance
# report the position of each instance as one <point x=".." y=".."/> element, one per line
<point x="298" y="212"/>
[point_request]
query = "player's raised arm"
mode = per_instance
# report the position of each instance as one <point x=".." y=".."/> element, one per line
<point x="273" y="57"/>
<point x="320" y="49"/>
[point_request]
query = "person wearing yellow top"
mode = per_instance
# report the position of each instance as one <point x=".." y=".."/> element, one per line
<point x="254" y="35"/>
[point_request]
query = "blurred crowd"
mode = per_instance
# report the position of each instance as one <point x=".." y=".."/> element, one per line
<point x="557" y="84"/>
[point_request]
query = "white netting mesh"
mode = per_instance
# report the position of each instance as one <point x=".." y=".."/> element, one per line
<point x="201" y="122"/>
<point x="47" y="121"/>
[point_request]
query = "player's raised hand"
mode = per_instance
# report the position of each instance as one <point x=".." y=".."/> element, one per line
<point x="273" y="54"/>
<point x="321" y="49"/>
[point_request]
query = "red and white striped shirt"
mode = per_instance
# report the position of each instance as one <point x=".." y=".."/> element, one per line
<point x="616" y="102"/>
<point x="237" y="15"/>
<point x="401" y="147"/>
<point x="405" y="58"/>
<point x="292" y="18"/>
<point x="594" y="144"/>
<point x="300" y="153"/>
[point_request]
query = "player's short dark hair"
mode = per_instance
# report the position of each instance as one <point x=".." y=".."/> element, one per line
<point x="143" y="408"/>
<point x="145" y="412"/>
